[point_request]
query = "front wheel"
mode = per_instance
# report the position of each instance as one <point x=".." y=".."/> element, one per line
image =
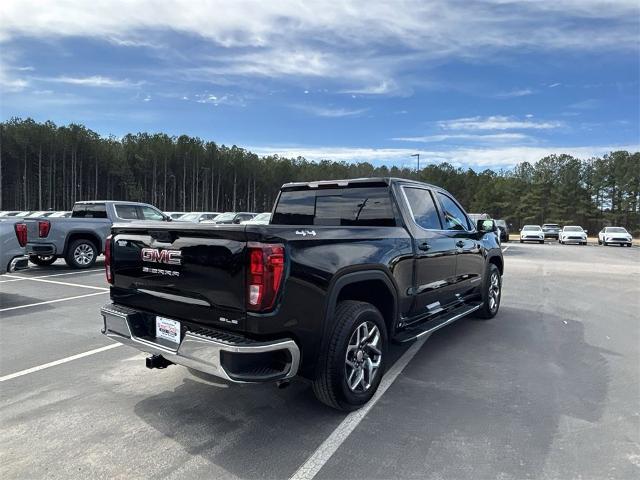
<point x="82" y="253"/>
<point x="350" y="369"/>
<point x="491" y="293"/>
<point x="42" y="260"/>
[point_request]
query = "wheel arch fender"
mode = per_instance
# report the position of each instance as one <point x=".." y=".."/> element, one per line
<point x="370" y="284"/>
<point x="86" y="234"/>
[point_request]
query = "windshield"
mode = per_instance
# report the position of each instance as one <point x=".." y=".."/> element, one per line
<point x="501" y="223"/>
<point x="225" y="216"/>
<point x="190" y="217"/>
<point x="531" y="227"/>
<point x="573" y="229"/>
<point x="262" y="216"/>
<point x="551" y="225"/>
<point x="615" y="230"/>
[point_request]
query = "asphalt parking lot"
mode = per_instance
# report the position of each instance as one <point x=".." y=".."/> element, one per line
<point x="550" y="388"/>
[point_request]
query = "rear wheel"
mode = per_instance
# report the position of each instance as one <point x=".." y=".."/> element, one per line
<point x="42" y="260"/>
<point x="351" y="368"/>
<point x="491" y="293"/>
<point x="82" y="253"/>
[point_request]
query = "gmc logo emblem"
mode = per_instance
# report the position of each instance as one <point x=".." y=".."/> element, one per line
<point x="169" y="257"/>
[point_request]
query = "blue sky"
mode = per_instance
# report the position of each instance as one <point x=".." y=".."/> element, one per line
<point x="478" y="84"/>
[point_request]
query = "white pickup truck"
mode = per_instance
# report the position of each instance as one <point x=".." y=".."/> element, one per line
<point x="80" y="238"/>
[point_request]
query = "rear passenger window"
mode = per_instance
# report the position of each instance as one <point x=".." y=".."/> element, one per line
<point x="423" y="208"/>
<point x="127" y="212"/>
<point x="455" y="218"/>
<point x="335" y="207"/>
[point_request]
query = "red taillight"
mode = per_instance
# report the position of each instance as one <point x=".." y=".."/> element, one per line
<point x="107" y="259"/>
<point x="264" y="278"/>
<point x="21" y="233"/>
<point x="43" y="228"/>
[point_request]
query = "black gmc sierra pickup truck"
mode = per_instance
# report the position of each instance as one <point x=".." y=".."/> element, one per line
<point x="343" y="268"/>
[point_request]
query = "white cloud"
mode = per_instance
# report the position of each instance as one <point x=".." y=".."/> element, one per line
<point x="497" y="122"/>
<point x="515" y="93"/>
<point x="331" y="112"/>
<point x="348" y="40"/>
<point x="477" y="158"/>
<point x="94" y="81"/>
<point x="385" y="87"/>
<point x="216" y="100"/>
<point x="496" y="137"/>
<point x="554" y="85"/>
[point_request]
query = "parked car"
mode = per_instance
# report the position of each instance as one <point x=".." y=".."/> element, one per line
<point x="197" y="217"/>
<point x="80" y="238"/>
<point x="175" y="215"/>
<point x="615" y="236"/>
<point x="232" y="217"/>
<point x="13" y="239"/>
<point x="531" y="233"/>
<point x="503" y="230"/>
<point x="259" y="219"/>
<point x="573" y="234"/>
<point x="38" y="214"/>
<point x="61" y="214"/>
<point x="311" y="293"/>
<point x="551" y="230"/>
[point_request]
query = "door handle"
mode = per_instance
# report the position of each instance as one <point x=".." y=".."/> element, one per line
<point x="459" y="244"/>
<point x="424" y="246"/>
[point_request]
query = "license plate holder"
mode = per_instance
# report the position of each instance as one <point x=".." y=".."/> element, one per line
<point x="168" y="329"/>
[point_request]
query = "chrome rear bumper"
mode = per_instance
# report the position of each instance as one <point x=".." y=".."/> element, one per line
<point x="203" y="349"/>
<point x="19" y="263"/>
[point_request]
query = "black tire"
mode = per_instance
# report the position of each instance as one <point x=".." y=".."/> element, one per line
<point x="541" y="241"/>
<point x="82" y="253"/>
<point x="490" y="309"/>
<point x="42" y="260"/>
<point x="605" y="244"/>
<point x="330" y="385"/>
<point x="521" y="241"/>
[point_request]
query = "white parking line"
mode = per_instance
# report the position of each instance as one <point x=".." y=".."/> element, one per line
<point x="15" y="278"/>
<point x="36" y="279"/>
<point x="506" y="248"/>
<point x="52" y="301"/>
<point x="58" y="362"/>
<point x="323" y="453"/>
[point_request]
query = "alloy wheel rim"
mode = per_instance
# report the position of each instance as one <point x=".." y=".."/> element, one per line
<point x="494" y="291"/>
<point x="363" y="357"/>
<point x="83" y="254"/>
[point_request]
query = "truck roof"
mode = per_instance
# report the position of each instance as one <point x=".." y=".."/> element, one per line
<point x="117" y="202"/>
<point x="359" y="182"/>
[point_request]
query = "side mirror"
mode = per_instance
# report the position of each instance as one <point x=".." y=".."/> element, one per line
<point x="586" y="231"/>
<point x="236" y="220"/>
<point x="168" y="219"/>
<point x="486" y="226"/>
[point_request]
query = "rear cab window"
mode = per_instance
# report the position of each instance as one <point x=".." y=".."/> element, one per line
<point x="350" y="206"/>
<point x="89" y="210"/>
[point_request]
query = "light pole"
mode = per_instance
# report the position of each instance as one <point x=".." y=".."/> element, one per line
<point x="417" y="155"/>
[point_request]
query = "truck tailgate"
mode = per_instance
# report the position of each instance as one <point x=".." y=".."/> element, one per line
<point x="181" y="270"/>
